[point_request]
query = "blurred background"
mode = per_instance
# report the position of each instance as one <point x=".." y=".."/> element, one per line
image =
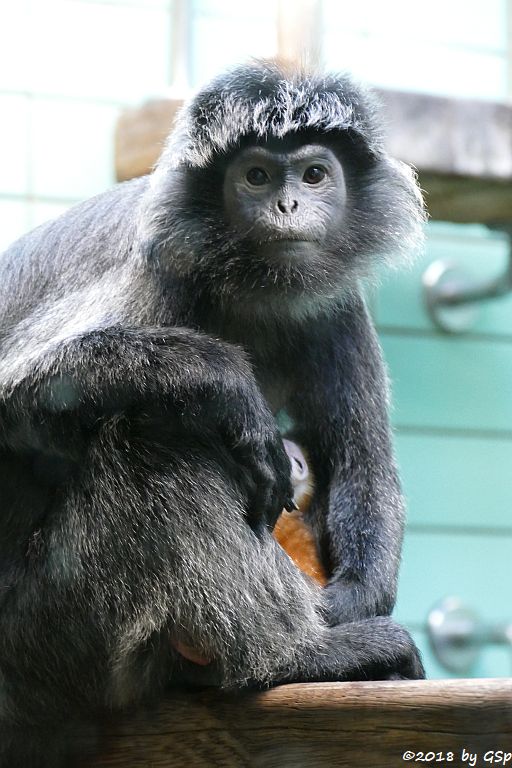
<point x="70" y="68"/>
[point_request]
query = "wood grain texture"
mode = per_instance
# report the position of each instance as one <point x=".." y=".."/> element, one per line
<point x="458" y="137"/>
<point x="315" y="725"/>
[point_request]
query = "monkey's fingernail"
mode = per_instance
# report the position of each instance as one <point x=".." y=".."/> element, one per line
<point x="291" y="506"/>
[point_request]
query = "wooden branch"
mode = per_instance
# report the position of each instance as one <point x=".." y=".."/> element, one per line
<point x="462" y="150"/>
<point x="316" y="725"/>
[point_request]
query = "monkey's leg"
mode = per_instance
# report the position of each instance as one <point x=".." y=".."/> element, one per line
<point x="147" y="544"/>
<point x="235" y="597"/>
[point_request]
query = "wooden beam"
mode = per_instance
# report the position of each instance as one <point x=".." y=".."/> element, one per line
<point x="140" y="137"/>
<point x="461" y="148"/>
<point x="316" y="725"/>
<point x="450" y="137"/>
<point x="467" y="199"/>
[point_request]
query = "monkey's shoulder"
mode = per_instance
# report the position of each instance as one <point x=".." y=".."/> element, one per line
<point x="77" y="230"/>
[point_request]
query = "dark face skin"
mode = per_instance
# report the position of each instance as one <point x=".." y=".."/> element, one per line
<point x="285" y="202"/>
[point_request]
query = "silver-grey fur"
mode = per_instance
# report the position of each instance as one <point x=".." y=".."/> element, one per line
<point x="144" y="356"/>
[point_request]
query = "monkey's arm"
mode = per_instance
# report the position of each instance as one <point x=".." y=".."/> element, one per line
<point x="204" y="387"/>
<point x="340" y="412"/>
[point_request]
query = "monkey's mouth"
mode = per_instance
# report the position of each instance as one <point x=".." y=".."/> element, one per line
<point x="289" y="238"/>
<point x="288" y="247"/>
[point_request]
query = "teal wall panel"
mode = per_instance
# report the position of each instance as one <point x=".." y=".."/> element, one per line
<point x="475" y="567"/>
<point x="456" y="481"/>
<point x="492" y="661"/>
<point x="452" y="412"/>
<point x="440" y="382"/>
<point x="481" y="253"/>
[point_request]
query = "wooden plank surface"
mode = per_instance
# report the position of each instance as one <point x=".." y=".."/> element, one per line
<point x="462" y="149"/>
<point x="140" y="136"/>
<point x="457" y="137"/>
<point x="316" y="725"/>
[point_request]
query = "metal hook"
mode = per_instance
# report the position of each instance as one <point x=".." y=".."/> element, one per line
<point x="451" y="295"/>
<point x="457" y="635"/>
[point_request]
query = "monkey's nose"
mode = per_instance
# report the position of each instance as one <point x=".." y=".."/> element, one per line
<point x="287" y="206"/>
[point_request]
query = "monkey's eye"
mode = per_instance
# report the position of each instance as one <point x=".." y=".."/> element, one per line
<point x="257" y="177"/>
<point x="314" y="174"/>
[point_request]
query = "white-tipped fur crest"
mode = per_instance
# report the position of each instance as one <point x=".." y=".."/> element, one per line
<point x="267" y="100"/>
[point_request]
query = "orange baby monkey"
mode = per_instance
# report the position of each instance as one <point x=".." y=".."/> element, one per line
<point x="292" y="531"/>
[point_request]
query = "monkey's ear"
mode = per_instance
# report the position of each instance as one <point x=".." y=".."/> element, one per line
<point x="411" y="179"/>
<point x="413" y="212"/>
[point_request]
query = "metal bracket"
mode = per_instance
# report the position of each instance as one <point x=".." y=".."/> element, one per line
<point x="457" y="635"/>
<point x="451" y="295"/>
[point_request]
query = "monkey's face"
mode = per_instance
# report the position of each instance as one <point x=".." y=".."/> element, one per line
<point x="285" y="215"/>
<point x="289" y="224"/>
<point x="285" y="203"/>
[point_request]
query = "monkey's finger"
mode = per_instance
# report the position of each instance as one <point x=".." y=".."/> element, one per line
<point x="263" y="507"/>
<point x="278" y="501"/>
<point x="268" y="500"/>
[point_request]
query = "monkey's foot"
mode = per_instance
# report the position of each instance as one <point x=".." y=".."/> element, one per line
<point x="190" y="653"/>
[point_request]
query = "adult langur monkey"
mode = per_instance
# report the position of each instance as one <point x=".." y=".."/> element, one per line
<point x="149" y="339"/>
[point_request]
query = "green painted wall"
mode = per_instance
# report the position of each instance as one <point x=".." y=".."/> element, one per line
<point x="452" y="412"/>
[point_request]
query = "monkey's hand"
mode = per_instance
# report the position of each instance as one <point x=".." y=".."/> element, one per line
<point x="215" y="388"/>
<point x="163" y="378"/>
<point x="265" y="468"/>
